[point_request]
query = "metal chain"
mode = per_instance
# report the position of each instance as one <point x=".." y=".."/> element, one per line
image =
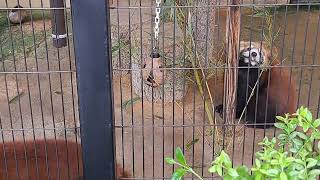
<point x="157" y="21"/>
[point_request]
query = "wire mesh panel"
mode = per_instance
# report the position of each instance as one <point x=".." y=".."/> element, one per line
<point x="174" y="101"/>
<point x="169" y="90"/>
<point x="39" y="111"/>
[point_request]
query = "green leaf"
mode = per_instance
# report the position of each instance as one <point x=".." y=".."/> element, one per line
<point x="225" y="159"/>
<point x="219" y="170"/>
<point x="213" y="169"/>
<point x="298" y="142"/>
<point x="316" y="135"/>
<point x="289" y="160"/>
<point x="274" y="162"/>
<point x="178" y="174"/>
<point x="170" y="160"/>
<point x="272" y="172"/>
<point x="233" y="172"/>
<point x="302" y="174"/>
<point x="258" y="176"/>
<point x="263" y="171"/>
<point x="308" y="115"/>
<point x="302" y="135"/>
<point x="280" y="118"/>
<point x="280" y="125"/>
<point x="294" y="150"/>
<point x="282" y="136"/>
<point x="293" y="173"/>
<point x="242" y="171"/>
<point x="316" y="123"/>
<point x="311" y="162"/>
<point x="309" y="146"/>
<point x="314" y="172"/>
<point x="228" y="177"/>
<point x="258" y="164"/>
<point x="305" y="127"/>
<point x="180" y="157"/>
<point x="283" y="176"/>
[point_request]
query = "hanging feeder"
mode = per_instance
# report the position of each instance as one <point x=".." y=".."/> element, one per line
<point x="152" y="71"/>
<point x="18" y="15"/>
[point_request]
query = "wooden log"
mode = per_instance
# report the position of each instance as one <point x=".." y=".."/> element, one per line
<point x="232" y="44"/>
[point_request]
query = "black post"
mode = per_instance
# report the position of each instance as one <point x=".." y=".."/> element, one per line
<point x="59" y="33"/>
<point x="94" y="77"/>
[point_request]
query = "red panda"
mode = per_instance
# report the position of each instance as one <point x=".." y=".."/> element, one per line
<point x="276" y="91"/>
<point x="43" y="159"/>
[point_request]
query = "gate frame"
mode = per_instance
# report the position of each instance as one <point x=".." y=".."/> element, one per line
<point x="94" y="80"/>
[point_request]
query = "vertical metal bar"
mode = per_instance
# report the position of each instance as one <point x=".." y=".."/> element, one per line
<point x="314" y="51"/>
<point x="163" y="114"/>
<point x="92" y="48"/>
<point x="142" y="84"/>
<point x="50" y="87"/>
<point x="72" y="91"/>
<point x="294" y="49"/>
<point x="19" y="101"/>
<point x="247" y="88"/>
<point x="173" y="77"/>
<point x="194" y="50"/>
<point x="304" y="54"/>
<point x="269" y="75"/>
<point x="282" y="52"/>
<point x="57" y="28"/>
<point x="9" y="109"/>
<point x="208" y="15"/>
<point x="184" y="10"/>
<point x="131" y="89"/>
<point x="217" y="19"/>
<point x="120" y="85"/>
<point x="11" y="39"/>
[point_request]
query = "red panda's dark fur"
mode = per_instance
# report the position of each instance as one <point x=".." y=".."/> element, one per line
<point x="275" y="94"/>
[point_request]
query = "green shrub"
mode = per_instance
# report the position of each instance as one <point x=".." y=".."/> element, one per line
<point x="289" y="156"/>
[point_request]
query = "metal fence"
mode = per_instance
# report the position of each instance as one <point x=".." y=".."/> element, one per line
<point x="71" y="66"/>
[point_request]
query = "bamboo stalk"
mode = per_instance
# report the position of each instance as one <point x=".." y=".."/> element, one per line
<point x="181" y="19"/>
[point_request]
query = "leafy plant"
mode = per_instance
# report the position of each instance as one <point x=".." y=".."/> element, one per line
<point x="180" y="160"/>
<point x="289" y="156"/>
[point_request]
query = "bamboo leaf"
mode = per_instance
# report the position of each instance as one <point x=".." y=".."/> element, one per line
<point x="15" y="98"/>
<point x="129" y="102"/>
<point x="190" y="144"/>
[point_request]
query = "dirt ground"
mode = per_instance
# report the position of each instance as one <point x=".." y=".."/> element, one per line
<point x="146" y="132"/>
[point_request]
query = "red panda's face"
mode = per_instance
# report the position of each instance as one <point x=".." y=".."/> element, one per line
<point x="252" y="55"/>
